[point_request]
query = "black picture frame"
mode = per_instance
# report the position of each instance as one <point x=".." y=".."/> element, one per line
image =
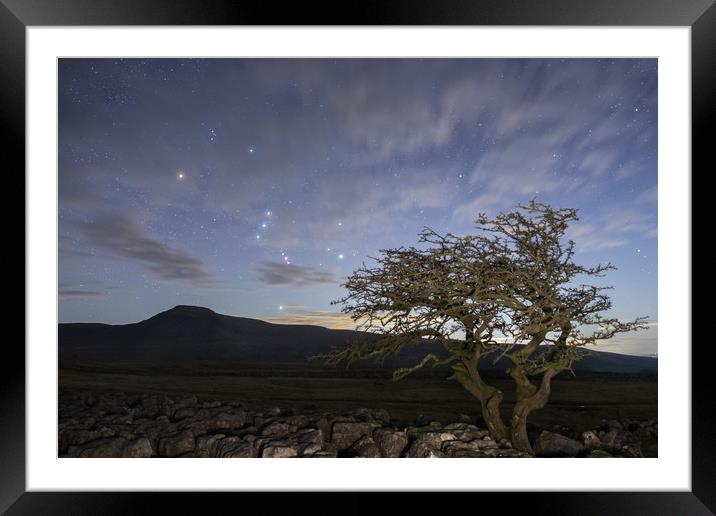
<point x="17" y="15"/>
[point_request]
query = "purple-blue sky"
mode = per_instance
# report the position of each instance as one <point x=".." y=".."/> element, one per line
<point x="252" y="186"/>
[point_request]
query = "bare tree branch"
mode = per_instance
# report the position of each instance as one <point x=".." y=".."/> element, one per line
<point x="511" y="289"/>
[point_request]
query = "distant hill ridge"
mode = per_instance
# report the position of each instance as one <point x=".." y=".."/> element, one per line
<point x="184" y="334"/>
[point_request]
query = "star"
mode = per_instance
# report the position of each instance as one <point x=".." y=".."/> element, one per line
<point x="196" y="234"/>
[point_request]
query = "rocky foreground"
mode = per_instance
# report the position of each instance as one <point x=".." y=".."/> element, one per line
<point x="126" y="425"/>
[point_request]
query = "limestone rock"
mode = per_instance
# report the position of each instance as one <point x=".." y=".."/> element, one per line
<point x="390" y="442"/>
<point x="195" y="427"/>
<point x="276" y="428"/>
<point x="591" y="440"/>
<point x="504" y="453"/>
<point x="365" y="447"/>
<point x="76" y="437"/>
<point x="233" y="447"/>
<point x="176" y="445"/>
<point x="220" y="446"/>
<point x="112" y="447"/>
<point x="422" y="450"/>
<point x="344" y="434"/>
<point x="153" y="429"/>
<point x="598" y="454"/>
<point x="229" y="419"/>
<point x="549" y="444"/>
<point x="436" y="439"/>
<point x="279" y="449"/>
<point x="474" y="448"/>
<point x="141" y="425"/>
<point x="206" y="445"/>
<point x="621" y="442"/>
<point x="188" y="412"/>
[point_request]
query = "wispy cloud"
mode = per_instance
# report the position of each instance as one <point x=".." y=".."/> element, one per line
<point x="349" y="155"/>
<point x="70" y="292"/>
<point x="600" y="161"/>
<point x="588" y="238"/>
<point x="282" y="274"/>
<point x="649" y="196"/>
<point x="612" y="229"/>
<point x="629" y="221"/>
<point x="523" y="169"/>
<point x="424" y="193"/>
<point x="125" y="238"/>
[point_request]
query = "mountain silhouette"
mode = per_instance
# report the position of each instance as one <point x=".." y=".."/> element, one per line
<point x="186" y="334"/>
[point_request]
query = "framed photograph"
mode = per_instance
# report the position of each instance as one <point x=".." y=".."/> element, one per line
<point x="406" y="246"/>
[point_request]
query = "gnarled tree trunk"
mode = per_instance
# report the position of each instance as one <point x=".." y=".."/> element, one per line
<point x="490" y="397"/>
<point x="527" y="401"/>
<point x="491" y="414"/>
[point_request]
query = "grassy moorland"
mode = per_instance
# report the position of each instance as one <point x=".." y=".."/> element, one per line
<point x="577" y="402"/>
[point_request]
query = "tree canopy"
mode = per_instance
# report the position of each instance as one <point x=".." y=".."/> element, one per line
<point x="510" y="290"/>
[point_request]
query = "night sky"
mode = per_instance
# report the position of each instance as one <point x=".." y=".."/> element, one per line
<point x="253" y="186"/>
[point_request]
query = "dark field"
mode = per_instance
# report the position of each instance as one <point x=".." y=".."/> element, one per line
<point x="191" y="350"/>
<point x="578" y="403"/>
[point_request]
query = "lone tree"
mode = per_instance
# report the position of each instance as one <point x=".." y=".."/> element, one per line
<point x="511" y="291"/>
